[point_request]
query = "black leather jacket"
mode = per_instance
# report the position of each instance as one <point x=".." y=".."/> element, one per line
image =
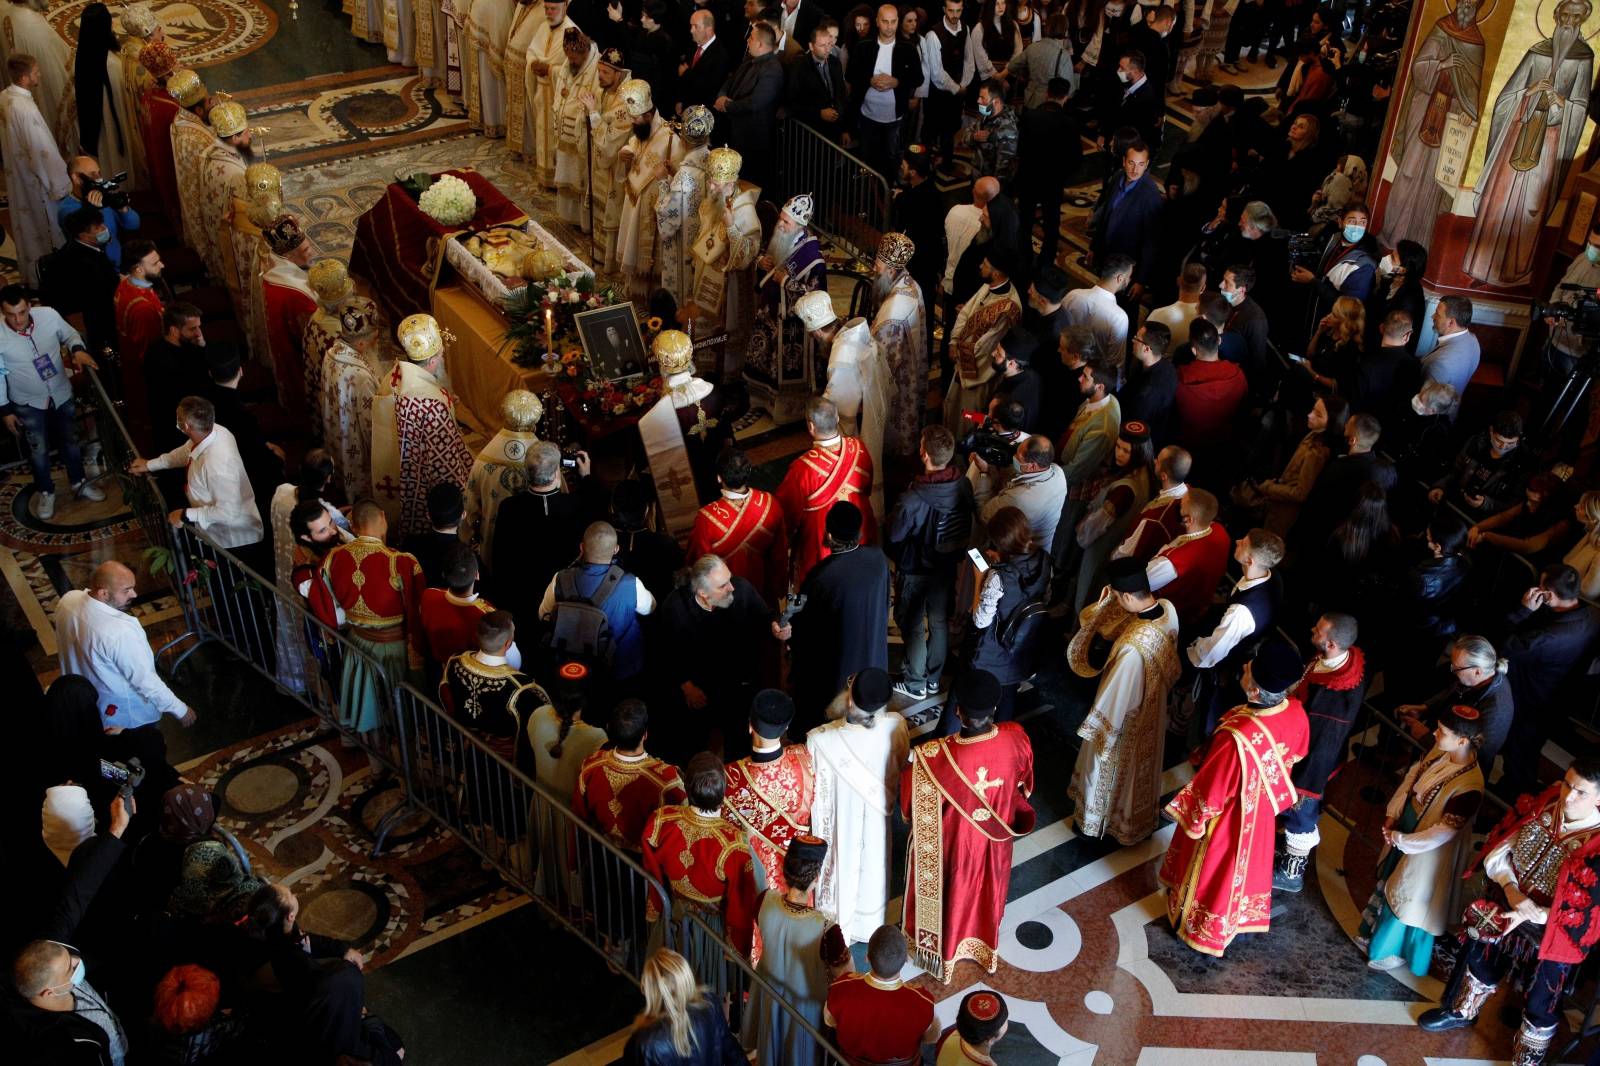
<point x="1435" y="585"/>
<point x="714" y="1045"/>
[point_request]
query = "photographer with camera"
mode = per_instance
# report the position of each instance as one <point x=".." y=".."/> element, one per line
<point x="90" y="189"/>
<point x="1568" y="340"/>
<point x="985" y="453"/>
<point x="1036" y="486"/>
<point x="1348" y="265"/>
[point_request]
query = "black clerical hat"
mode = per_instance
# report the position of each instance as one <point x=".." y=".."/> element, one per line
<point x="1128" y="575"/>
<point x="1051" y="283"/>
<point x="1019" y="345"/>
<point x="770" y="713"/>
<point x="805" y="847"/>
<point x="1277" y="667"/>
<point x="978" y="692"/>
<point x="870" y="689"/>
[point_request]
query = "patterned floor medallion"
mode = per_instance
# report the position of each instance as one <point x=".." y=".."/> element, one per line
<point x="344" y="116"/>
<point x="203" y="32"/>
<point x="75" y="524"/>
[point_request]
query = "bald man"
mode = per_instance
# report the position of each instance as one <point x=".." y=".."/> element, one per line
<point x="83" y="171"/>
<point x="97" y="638"/>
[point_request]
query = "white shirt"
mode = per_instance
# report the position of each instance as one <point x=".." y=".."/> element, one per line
<point x="221" y="501"/>
<point x="1177" y="317"/>
<point x="1160" y="570"/>
<point x="961" y="225"/>
<point x="788" y="18"/>
<point x="1237" y="623"/>
<point x="878" y="105"/>
<point x="1097" y="308"/>
<point x="110" y="649"/>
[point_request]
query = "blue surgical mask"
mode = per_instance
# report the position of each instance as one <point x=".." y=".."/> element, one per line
<point x="1591" y="253"/>
<point x="103" y="237"/>
<point x="1016" y="465"/>
<point x="1354" y="233"/>
<point x="1233" y="296"/>
<point x="984" y="110"/>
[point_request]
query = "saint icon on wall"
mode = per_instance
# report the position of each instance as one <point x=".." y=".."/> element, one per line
<point x="1534" y="131"/>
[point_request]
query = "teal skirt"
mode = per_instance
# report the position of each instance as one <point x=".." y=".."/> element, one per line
<point x="1386" y="934"/>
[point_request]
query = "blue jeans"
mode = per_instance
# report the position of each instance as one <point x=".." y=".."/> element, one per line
<point x="38" y="425"/>
<point x="924" y="597"/>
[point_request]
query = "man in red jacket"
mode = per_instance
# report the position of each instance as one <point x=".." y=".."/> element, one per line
<point x="1210" y="393"/>
<point x="1187" y="570"/>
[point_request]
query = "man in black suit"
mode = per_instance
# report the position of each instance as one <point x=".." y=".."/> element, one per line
<point x="883" y="74"/>
<point x="1246" y="319"/>
<point x="918" y="212"/>
<point x="750" y="99"/>
<point x="445" y="508"/>
<point x="701" y="74"/>
<point x="815" y="93"/>
<point x="799" y="19"/>
<point x="1140" y="106"/>
<point x="79" y="276"/>
<point x="1048" y="154"/>
<point x="175" y="367"/>
<point x="1153" y="37"/>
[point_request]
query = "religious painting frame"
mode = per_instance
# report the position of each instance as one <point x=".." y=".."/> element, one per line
<point x="623" y="358"/>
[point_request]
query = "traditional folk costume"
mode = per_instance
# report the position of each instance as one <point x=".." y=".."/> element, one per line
<point x="486" y="28"/>
<point x="981" y="322"/>
<point x="1116" y="782"/>
<point x="610" y="127"/>
<point x="745" y="528"/>
<point x="858" y="768"/>
<point x="1115" y="499"/>
<point x="902" y="337"/>
<point x="378" y="590"/>
<point x="781" y="367"/>
<point x="618" y="793"/>
<point x="1332" y="694"/>
<point x="500" y="470"/>
<point x="1432" y="813"/>
<point x="1155" y="525"/>
<point x="705" y="863"/>
<point x="480" y="691"/>
<point x="25" y="31"/>
<point x="296" y="663"/>
<point x="571" y="122"/>
<point x="801" y="949"/>
<point x="1218" y="869"/>
<point x="287" y="304"/>
<point x="636" y="233"/>
<point x="450" y="622"/>
<point x="36" y="175"/>
<point x="966" y="799"/>
<point x="678" y="199"/>
<point x="725" y="252"/>
<point x="683" y="433"/>
<point x="836" y="468"/>
<point x="415" y="441"/>
<point x="349" y="386"/>
<point x="874" y="1020"/>
<point x="559" y="749"/>
<point x="858" y="385"/>
<point x="1555" y="862"/>
<point x="769" y="792"/>
<point x="1187" y="570"/>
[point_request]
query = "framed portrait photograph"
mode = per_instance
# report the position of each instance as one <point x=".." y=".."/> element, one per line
<point x="612" y="342"/>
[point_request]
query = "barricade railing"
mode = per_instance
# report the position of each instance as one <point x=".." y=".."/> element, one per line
<point x="852" y="199"/>
<point x="580" y="879"/>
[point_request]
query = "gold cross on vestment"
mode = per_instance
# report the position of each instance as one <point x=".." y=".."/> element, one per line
<point x="702" y="424"/>
<point x="674" y="483"/>
<point x="983" y="784"/>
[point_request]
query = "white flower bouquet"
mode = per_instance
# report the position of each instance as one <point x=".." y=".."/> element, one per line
<point x="449" y="201"/>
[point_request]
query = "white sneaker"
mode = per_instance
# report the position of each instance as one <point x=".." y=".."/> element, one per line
<point x="46" y="507"/>
<point x="1388" y="962"/>
<point x="86" y="491"/>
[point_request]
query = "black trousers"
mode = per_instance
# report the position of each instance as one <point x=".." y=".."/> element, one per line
<point x="1046" y="199"/>
<point x="1491" y="963"/>
<point x="941" y="119"/>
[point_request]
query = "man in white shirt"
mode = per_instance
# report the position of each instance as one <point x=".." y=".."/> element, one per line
<point x="221" y="501"/>
<point x="98" y="640"/>
<point x="951" y="57"/>
<point x="1097" y="307"/>
<point x="1176" y="316"/>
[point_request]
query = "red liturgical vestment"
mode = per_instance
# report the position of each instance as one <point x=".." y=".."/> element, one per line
<point x="815" y="482"/>
<point x="703" y="861"/>
<point x="749" y="536"/>
<point x="966" y="798"/>
<point x="1218" y="870"/>
<point x="617" y="794"/>
<point x="771" y="801"/>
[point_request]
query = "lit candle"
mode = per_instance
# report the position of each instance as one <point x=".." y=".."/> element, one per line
<point x="549" y="330"/>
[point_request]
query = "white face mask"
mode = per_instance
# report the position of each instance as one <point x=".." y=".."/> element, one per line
<point x="1416" y="405"/>
<point x="1124" y="77"/>
<point x="1114" y="10"/>
<point x="1386" y="266"/>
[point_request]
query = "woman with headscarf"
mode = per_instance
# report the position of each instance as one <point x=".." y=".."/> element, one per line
<point x="95" y="116"/>
<point x="212" y="885"/>
<point x="187" y="814"/>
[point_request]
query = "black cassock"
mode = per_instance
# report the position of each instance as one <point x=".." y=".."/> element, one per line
<point x="843" y="629"/>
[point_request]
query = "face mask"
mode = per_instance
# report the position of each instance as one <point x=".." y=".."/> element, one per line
<point x="1416" y="405"/>
<point x="1591" y="253"/>
<point x="1124" y="77"/>
<point x="1114" y="10"/>
<point x="1386" y="267"/>
<point x="1233" y="296"/>
<point x="103" y="237"/>
<point x="1354" y="233"/>
<point x="1016" y="465"/>
<point x="985" y="110"/>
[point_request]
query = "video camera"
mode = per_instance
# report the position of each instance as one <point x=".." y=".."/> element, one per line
<point x="1303" y="249"/>
<point x="112" y="194"/>
<point x="1583" y="313"/>
<point x="986" y="442"/>
<point x="127" y="776"/>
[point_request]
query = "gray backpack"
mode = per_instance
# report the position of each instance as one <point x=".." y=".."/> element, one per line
<point x="579" y="629"/>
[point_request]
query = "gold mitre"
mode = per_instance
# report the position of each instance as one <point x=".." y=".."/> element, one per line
<point x="722" y="165"/>
<point x="330" y="280"/>
<point x="264" y="210"/>
<point x="636" y="97"/>
<point x="521" y="410"/>
<point x="674" y="351"/>
<point x="139" y="21"/>
<point x="228" y="118"/>
<point x="895" y="250"/>
<point x="420" y="338"/>
<point x="262" y="178"/>
<point x="186" y="87"/>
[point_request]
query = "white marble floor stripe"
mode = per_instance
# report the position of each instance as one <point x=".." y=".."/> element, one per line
<point x="1180" y="1056"/>
<point x="1084" y="879"/>
<point x="1041" y="840"/>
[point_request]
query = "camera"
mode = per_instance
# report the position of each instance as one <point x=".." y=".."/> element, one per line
<point x="126" y="776"/>
<point x="793" y="604"/>
<point x="1583" y="313"/>
<point x="112" y="194"/>
<point x="1303" y="249"/>
<point x="986" y="442"/>
<point x="569" y="457"/>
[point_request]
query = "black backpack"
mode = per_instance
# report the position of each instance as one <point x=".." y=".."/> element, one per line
<point x="579" y="628"/>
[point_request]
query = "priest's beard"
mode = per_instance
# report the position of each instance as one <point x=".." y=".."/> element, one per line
<point x="641" y="130"/>
<point x="246" y="151"/>
<point x="782" y="245"/>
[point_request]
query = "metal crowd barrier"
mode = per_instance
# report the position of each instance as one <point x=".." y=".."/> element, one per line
<point x="577" y="877"/>
<point x="852" y="199"/>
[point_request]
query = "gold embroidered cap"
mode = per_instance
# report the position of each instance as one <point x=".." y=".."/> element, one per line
<point x="263" y="179"/>
<point x="722" y="165"/>
<point x="521" y="410"/>
<point x="674" y="351"/>
<point x="421" y="338"/>
<point x="358" y="316"/>
<point x="636" y="97"/>
<point x="264" y="210"/>
<point x="330" y="280"/>
<point x="698" y="122"/>
<point x="283" y="235"/>
<point x="895" y="250"/>
<point x="800" y="209"/>
<point x="815" y="309"/>
<point x="613" y="58"/>
<point x="157" y="60"/>
<point x="575" y="40"/>
<point x="185" y="86"/>
<point x="228" y="119"/>
<point x="139" y="21"/>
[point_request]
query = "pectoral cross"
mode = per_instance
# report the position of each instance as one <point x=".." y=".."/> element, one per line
<point x="983" y="784"/>
<point x="674" y="483"/>
<point x="702" y="424"/>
